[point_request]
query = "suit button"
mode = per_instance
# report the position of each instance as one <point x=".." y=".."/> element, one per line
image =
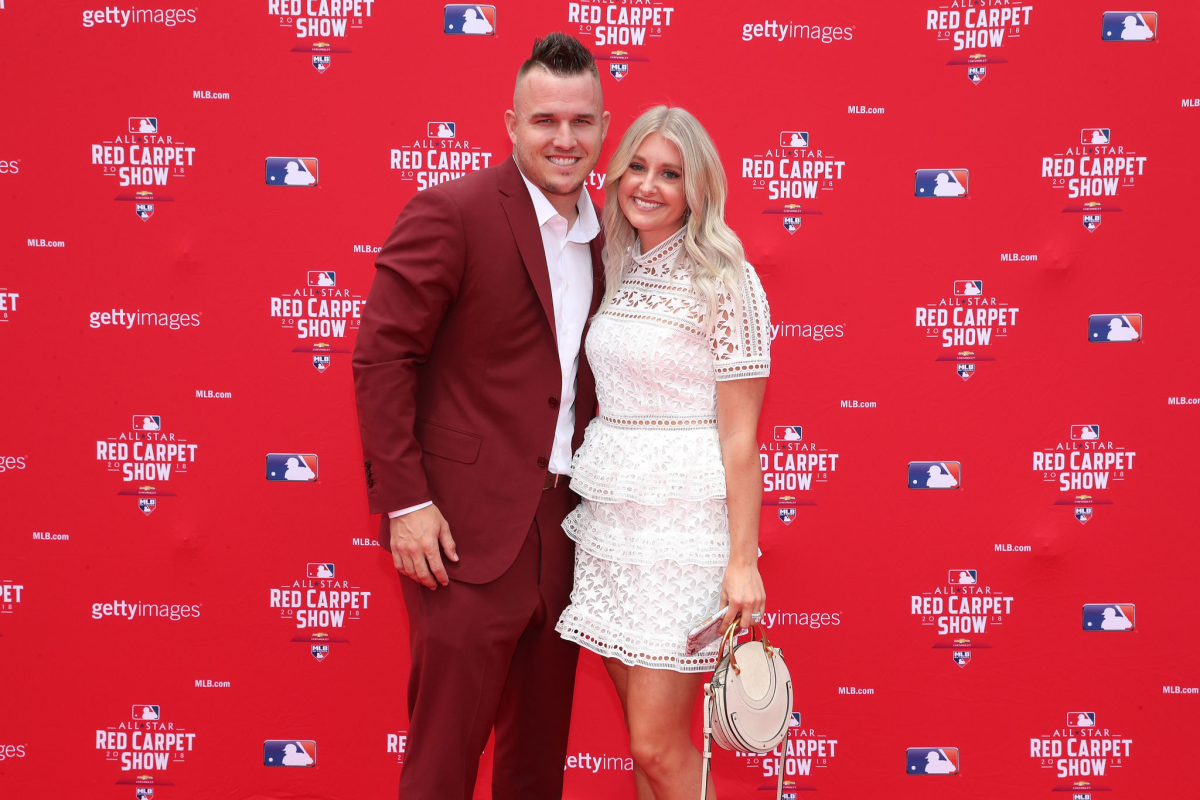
<point x="543" y="462"/>
<point x="553" y="402"/>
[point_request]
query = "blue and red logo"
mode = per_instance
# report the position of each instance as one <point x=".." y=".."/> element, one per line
<point x="941" y="183"/>
<point x="1115" y="328"/>
<point x="932" y="761"/>
<point x="291" y="171"/>
<point x="1130" y="26"/>
<point x="934" y="475"/>
<point x="289" y="753"/>
<point x="469" y="19"/>
<point x="1109" y="617"/>
<point x="295" y="467"/>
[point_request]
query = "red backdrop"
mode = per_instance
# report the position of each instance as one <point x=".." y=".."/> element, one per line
<point x="189" y="318"/>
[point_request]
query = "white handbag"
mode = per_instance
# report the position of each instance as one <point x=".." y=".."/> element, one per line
<point x="748" y="703"/>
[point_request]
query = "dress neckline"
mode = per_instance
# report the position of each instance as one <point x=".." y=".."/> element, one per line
<point x="663" y="253"/>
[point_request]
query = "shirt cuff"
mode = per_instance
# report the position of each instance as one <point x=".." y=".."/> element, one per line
<point x="403" y="511"/>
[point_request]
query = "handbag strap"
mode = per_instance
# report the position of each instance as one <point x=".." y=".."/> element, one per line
<point x="706" y="756"/>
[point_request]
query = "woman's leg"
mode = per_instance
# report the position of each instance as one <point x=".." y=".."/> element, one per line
<point x="658" y="712"/>
<point x="619" y="672"/>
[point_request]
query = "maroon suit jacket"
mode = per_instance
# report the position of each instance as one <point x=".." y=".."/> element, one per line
<point x="456" y="371"/>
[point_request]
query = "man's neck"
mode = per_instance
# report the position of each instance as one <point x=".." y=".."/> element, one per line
<point x="565" y="204"/>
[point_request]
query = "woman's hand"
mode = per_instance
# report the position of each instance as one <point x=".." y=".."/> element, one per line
<point x="742" y="590"/>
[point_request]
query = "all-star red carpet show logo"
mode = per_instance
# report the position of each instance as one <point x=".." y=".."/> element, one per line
<point x="325" y="24"/>
<point x="1086" y="467"/>
<point x="320" y="310"/>
<point x="794" y="172"/>
<point x="966" y="324"/>
<point x="1082" y="751"/>
<point x="619" y="34"/>
<point x="1092" y="172"/>
<point x="962" y="607"/>
<point x="792" y="464"/>
<point x="145" y="159"/>
<point x="319" y="604"/>
<point x="979" y="33"/>
<point x="149" y="455"/>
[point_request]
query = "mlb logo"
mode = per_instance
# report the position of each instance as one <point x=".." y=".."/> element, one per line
<point x="320" y="651"/>
<point x="291" y="171"/>
<point x="932" y="760"/>
<point x="934" y="474"/>
<point x="321" y="63"/>
<point x="794" y="722"/>
<point x="289" y="753"/>
<point x="1085" y="433"/>
<point x="963" y="577"/>
<point x="318" y="277"/>
<point x="143" y="124"/>
<point x="1115" y="328"/>
<point x="1091" y="221"/>
<point x="441" y="130"/>
<point x="941" y="183"/>
<point x="618" y="71"/>
<point x="144" y="792"/>
<point x="1083" y="514"/>
<point x="1109" y="617"/>
<point x="320" y="570"/>
<point x="1130" y="26"/>
<point x="793" y="138"/>
<point x="976" y="74"/>
<point x="321" y="363"/>
<point x="146" y="711"/>
<point x="297" y="467"/>
<point x="968" y="288"/>
<point x="144" y="211"/>
<point x="1095" y="135"/>
<point x="791" y="224"/>
<point x="965" y="371"/>
<point x="1081" y="719"/>
<point x="786" y="515"/>
<point x="1081" y="796"/>
<point x="147" y="422"/>
<point x="469" y="19"/>
<point x="961" y="657"/>
<point x="147" y="504"/>
<point x="788" y="433"/>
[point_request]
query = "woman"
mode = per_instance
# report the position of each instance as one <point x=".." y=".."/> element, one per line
<point x="667" y="533"/>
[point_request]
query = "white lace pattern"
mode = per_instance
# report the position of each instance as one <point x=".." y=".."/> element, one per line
<point x="652" y="532"/>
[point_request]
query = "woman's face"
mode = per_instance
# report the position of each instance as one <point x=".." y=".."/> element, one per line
<point x="651" y="192"/>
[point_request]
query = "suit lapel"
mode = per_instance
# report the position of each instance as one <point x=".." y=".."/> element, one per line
<point x="518" y="207"/>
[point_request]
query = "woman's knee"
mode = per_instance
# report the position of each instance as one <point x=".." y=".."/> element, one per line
<point x="655" y="754"/>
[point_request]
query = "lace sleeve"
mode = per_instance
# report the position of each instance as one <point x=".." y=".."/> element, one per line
<point x="742" y="347"/>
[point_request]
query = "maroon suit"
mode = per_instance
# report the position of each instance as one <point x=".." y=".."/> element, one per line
<point x="457" y="378"/>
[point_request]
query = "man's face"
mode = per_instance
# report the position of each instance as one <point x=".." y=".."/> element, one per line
<point x="557" y="126"/>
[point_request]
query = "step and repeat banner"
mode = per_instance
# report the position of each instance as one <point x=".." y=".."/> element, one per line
<point x="972" y="222"/>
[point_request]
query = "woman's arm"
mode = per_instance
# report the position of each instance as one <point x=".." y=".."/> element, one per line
<point x="738" y="405"/>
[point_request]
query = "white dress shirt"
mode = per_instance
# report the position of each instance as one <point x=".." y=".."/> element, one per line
<point x="569" y="262"/>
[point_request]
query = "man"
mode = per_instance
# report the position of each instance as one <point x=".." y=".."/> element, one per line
<point x="473" y="392"/>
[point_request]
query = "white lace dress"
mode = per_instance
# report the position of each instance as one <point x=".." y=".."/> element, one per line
<point x="652" y="532"/>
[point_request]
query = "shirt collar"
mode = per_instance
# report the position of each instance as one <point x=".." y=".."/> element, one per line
<point x="586" y="226"/>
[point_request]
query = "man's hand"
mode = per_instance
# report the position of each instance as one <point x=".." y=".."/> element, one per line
<point x="415" y="539"/>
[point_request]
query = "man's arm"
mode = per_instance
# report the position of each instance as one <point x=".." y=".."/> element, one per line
<point x="419" y="270"/>
<point x="418" y="273"/>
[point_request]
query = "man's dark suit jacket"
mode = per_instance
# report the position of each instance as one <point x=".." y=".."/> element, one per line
<point x="456" y="369"/>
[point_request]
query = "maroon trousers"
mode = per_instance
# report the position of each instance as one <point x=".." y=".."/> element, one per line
<point x="487" y="655"/>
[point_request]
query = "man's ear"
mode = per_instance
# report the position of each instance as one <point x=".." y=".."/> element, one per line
<point x="510" y="123"/>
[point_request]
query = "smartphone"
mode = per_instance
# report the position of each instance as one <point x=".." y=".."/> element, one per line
<point x="706" y="632"/>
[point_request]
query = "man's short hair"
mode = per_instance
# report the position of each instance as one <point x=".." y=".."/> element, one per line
<point x="560" y="54"/>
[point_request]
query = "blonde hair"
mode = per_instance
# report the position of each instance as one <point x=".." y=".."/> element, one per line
<point x="713" y="248"/>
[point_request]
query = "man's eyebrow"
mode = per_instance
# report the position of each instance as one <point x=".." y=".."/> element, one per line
<point x="540" y="114"/>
